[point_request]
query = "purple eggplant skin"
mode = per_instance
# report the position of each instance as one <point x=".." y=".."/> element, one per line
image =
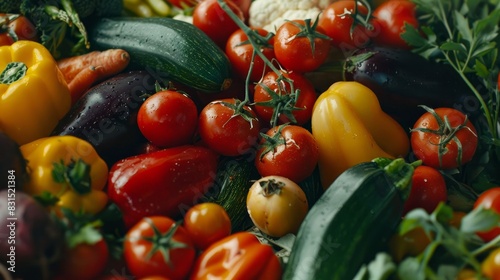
<point x="12" y="161"/>
<point x="106" y="115"/>
<point x="31" y="240"/>
<point x="403" y="80"/>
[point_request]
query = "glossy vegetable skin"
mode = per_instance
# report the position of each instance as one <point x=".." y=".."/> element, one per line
<point x="238" y="256"/>
<point x="332" y="242"/>
<point x="276" y="205"/>
<point x="157" y="246"/>
<point x="166" y="182"/>
<point x="68" y="168"/>
<point x="33" y="93"/>
<point x="106" y="116"/>
<point x="403" y="80"/>
<point x="172" y="48"/>
<point x="350" y="127"/>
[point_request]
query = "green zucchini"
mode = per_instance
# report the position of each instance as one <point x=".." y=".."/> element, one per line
<point x="235" y="176"/>
<point x="171" y="48"/>
<point x="351" y="221"/>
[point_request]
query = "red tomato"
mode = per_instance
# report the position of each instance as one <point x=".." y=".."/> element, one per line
<point x="289" y="151"/>
<point x="19" y="26"/>
<point x="428" y="189"/>
<point x="337" y="19"/>
<point x="270" y="96"/>
<point x="156" y="246"/>
<point x="24" y="29"/>
<point x="239" y="51"/>
<point x="437" y="143"/>
<point x="168" y="118"/>
<point x="84" y="261"/>
<point x="300" y="46"/>
<point x="206" y="223"/>
<point x="389" y="21"/>
<point x="498" y="81"/>
<point x="489" y="199"/>
<point x="244" y="6"/>
<point x="224" y="131"/>
<point x="215" y="22"/>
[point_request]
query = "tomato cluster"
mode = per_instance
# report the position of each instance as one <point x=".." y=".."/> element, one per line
<point x="265" y="117"/>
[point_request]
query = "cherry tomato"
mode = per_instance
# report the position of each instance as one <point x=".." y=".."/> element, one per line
<point x="491" y="265"/>
<point x="158" y="246"/>
<point x="276" y="205"/>
<point x="226" y="132"/>
<point x="168" y="118"/>
<point x="489" y="199"/>
<point x="437" y="135"/>
<point x="239" y="51"/>
<point x="206" y="223"/>
<point x="289" y="151"/>
<point x="215" y="22"/>
<point x="412" y="243"/>
<point x="84" y="261"/>
<point x="270" y="95"/>
<point x="428" y="189"/>
<point x="337" y="20"/>
<point x="389" y="20"/>
<point x="300" y="46"/>
<point x="24" y="28"/>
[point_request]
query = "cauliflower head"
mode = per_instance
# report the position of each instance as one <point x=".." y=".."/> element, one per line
<point x="271" y="14"/>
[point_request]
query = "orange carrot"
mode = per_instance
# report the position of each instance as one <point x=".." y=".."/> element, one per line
<point x="83" y="71"/>
<point x="81" y="82"/>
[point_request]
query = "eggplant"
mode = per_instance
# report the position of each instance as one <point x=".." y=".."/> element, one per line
<point x="402" y="80"/>
<point x="30" y="237"/>
<point x="106" y="115"/>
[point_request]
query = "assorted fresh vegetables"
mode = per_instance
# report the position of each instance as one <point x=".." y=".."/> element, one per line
<point x="239" y="139"/>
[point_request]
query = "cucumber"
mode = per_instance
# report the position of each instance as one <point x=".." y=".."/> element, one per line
<point x="351" y="221"/>
<point x="171" y="48"/>
<point x="235" y="176"/>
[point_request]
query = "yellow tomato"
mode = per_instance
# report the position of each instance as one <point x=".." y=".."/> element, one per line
<point x="276" y="205"/>
<point x="491" y="265"/>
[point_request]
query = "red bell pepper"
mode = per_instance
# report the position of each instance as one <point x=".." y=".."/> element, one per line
<point x="237" y="256"/>
<point x="166" y="182"/>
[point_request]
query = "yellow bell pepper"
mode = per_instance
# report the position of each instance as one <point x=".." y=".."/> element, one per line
<point x="69" y="170"/>
<point x="350" y="127"/>
<point x="33" y="93"/>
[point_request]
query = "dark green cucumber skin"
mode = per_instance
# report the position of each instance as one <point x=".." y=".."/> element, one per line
<point x="345" y="228"/>
<point x="173" y="49"/>
<point x="235" y="176"/>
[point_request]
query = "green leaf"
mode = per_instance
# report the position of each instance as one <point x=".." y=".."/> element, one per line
<point x="442" y="214"/>
<point x="88" y="234"/>
<point x="481" y="69"/>
<point x="46" y="198"/>
<point x="410" y="269"/>
<point x="381" y="268"/>
<point x="413" y="37"/>
<point x="479" y="219"/>
<point x="453" y="46"/>
<point x="462" y="25"/>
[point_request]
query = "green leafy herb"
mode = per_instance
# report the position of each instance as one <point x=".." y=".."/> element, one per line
<point x="450" y="250"/>
<point x="465" y="34"/>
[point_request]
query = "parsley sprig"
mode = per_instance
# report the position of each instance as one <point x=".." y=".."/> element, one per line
<point x="463" y="34"/>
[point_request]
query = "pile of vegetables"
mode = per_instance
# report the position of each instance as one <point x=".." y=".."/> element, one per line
<point x="242" y="139"/>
